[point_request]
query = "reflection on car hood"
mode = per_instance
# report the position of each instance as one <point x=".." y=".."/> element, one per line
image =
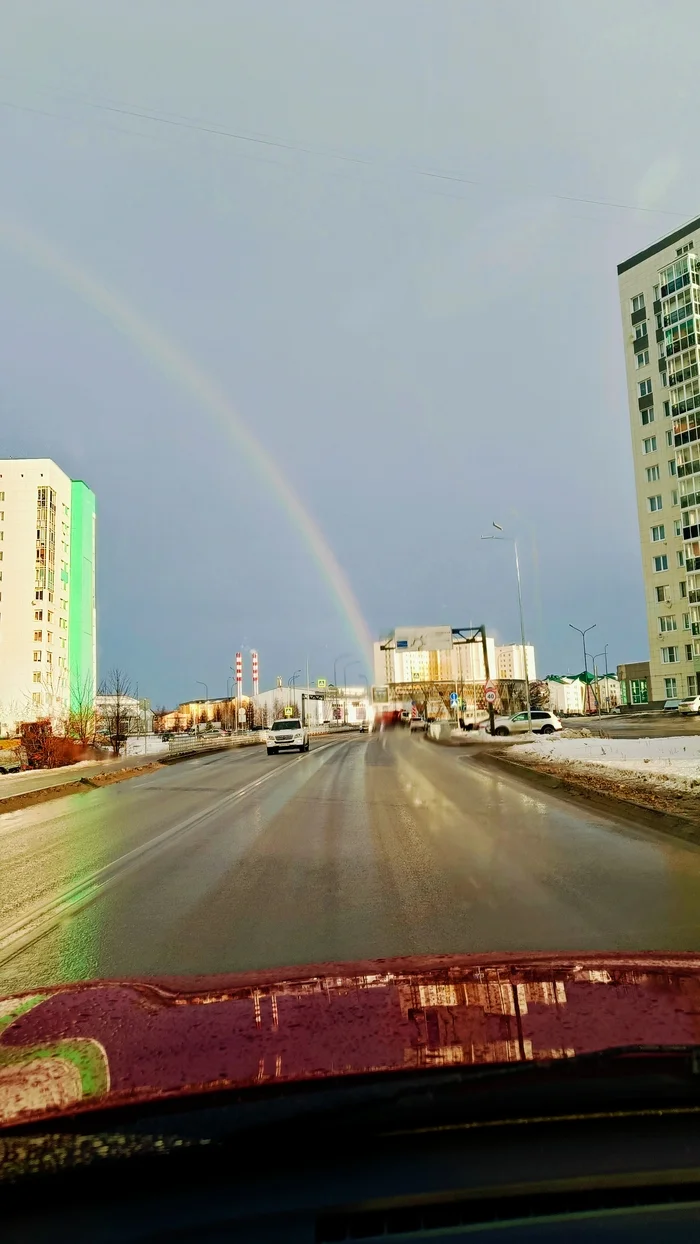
<point x="104" y="1043"/>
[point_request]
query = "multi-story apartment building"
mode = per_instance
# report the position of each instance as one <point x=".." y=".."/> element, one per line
<point x="510" y="664"/>
<point x="660" y="297"/>
<point x="47" y="592"/>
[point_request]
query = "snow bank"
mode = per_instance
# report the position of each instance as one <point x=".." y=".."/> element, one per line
<point x="675" y="761"/>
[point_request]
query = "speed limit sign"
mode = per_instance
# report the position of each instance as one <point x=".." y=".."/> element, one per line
<point x="490" y="696"/>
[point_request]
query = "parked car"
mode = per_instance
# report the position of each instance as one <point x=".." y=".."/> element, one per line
<point x="543" y="722"/>
<point x="418" y="723"/>
<point x="691" y="705"/>
<point x="672" y="706"/>
<point x="10" y="761"/>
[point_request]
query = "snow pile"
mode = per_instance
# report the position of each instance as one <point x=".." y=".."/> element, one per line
<point x="674" y="761"/>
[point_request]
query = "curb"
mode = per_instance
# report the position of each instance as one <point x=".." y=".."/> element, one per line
<point x="665" y="822"/>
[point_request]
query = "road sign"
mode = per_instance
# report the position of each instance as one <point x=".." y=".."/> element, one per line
<point x="489" y="685"/>
<point x="454" y="699"/>
<point x="289" y="711"/>
<point x="490" y="695"/>
<point x="321" y="682"/>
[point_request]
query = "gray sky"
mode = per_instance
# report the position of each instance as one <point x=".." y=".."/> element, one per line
<point x="419" y="354"/>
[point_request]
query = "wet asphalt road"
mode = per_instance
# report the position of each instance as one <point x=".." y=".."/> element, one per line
<point x="368" y="846"/>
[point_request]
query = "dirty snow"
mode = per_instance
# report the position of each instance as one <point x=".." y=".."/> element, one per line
<point x="673" y="762"/>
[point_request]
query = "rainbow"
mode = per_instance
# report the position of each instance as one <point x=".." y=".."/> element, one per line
<point x="182" y="370"/>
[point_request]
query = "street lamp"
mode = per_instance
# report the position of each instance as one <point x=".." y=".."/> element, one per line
<point x="522" y="623"/>
<point x="583" y="634"/>
<point x="604" y="653"/>
<point x="292" y="682"/>
<point x="335" y="664"/>
<point x="206" y="692"/>
<point x="346" y="667"/>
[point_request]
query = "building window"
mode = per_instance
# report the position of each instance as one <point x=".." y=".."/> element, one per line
<point x="680" y="559"/>
<point x="49" y="637"/>
<point x="2" y="496"/>
<point x="674" y="497"/>
<point x="677" y="527"/>
<point x="658" y="533"/>
<point x="649" y="445"/>
<point x="692" y="685"/>
<point x="38" y="615"/>
<point x="688" y="652"/>
<point x="37" y="656"/>
<point x="37" y="637"/>
<point x="655" y="503"/>
<point x="49" y="658"/>
<point x="672" y="466"/>
<point x="36" y="697"/>
<point x="669" y="436"/>
<point x="49" y="616"/>
<point x="647" y="415"/>
<point x="644" y="388"/>
<point x="671" y="685"/>
<point x="637" y="302"/>
<point x="36" y="676"/>
<point x="661" y="593"/>
<point x="640" y="694"/>
<point x="652" y="473"/>
<point x="681" y="587"/>
<point x="661" y="563"/>
<point x="641" y="359"/>
<point x="667" y="623"/>
<point x="641" y="329"/>
<point x="686" y="621"/>
<point x="667" y="405"/>
<point x="669" y="656"/>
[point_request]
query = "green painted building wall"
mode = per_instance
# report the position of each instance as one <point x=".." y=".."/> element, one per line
<point x="82" y="637"/>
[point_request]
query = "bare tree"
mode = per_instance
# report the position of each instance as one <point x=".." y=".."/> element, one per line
<point x="115" y="708"/>
<point x="539" y="695"/>
<point x="82" y="720"/>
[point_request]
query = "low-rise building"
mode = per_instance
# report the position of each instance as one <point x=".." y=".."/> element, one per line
<point x="635" y="684"/>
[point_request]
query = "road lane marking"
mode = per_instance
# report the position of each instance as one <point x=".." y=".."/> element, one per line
<point x="41" y="918"/>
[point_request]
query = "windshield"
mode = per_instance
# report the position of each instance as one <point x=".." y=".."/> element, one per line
<point x="255" y="364"/>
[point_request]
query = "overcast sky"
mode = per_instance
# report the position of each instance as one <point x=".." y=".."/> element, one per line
<point x="419" y="354"/>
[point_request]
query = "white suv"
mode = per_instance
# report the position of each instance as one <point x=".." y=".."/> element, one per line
<point x="543" y="722"/>
<point x="287" y="734"/>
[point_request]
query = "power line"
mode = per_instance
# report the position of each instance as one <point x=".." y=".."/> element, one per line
<point x="179" y="121"/>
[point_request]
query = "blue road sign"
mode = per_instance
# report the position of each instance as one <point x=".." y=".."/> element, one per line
<point x="454" y="699"/>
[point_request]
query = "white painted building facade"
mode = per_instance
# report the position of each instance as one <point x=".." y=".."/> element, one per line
<point x="47" y="596"/>
<point x="510" y="664"/>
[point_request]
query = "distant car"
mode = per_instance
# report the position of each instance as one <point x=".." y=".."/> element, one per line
<point x="691" y="705"/>
<point x="418" y="723"/>
<point x="543" y="722"/>
<point x="287" y="734"/>
<point x="10" y="762"/>
<point x="672" y="706"/>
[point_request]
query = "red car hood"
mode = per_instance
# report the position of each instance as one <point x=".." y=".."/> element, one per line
<point x="104" y="1043"/>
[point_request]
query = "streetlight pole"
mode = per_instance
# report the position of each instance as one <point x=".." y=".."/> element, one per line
<point x="206" y="693"/>
<point x="583" y="634"/>
<point x="345" y="681"/>
<point x="595" y="673"/>
<point x="292" y="682"/>
<point x="522" y="622"/>
<point x="335" y="665"/>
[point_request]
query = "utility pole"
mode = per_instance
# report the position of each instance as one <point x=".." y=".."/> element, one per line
<point x="522" y="623"/>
